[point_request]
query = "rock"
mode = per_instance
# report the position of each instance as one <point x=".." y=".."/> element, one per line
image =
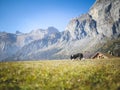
<point x="107" y="15"/>
<point x="81" y="27"/>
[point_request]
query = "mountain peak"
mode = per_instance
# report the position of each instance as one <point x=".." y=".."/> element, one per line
<point x="52" y="30"/>
<point x="18" y="32"/>
<point x="37" y="31"/>
<point x="49" y="30"/>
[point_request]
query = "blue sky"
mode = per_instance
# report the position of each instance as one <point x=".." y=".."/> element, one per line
<point x="27" y="15"/>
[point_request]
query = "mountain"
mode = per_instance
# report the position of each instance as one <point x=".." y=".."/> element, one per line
<point x="107" y="15"/>
<point x="10" y="43"/>
<point x="7" y="45"/>
<point x="27" y="38"/>
<point x="33" y="49"/>
<point x="18" y="33"/>
<point x="87" y="33"/>
<point x="112" y="47"/>
<point x="41" y="33"/>
<point x="81" y="27"/>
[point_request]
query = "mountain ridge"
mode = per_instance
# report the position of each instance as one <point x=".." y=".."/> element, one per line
<point x="14" y="42"/>
<point x="87" y="33"/>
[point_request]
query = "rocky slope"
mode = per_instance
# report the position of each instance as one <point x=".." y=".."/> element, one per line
<point x="81" y="27"/>
<point x="12" y="43"/>
<point x="27" y="38"/>
<point x="90" y="32"/>
<point x="87" y="33"/>
<point x="107" y="15"/>
<point x="7" y="45"/>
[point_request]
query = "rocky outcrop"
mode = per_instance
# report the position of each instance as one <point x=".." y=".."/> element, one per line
<point x="81" y="27"/>
<point x="103" y="18"/>
<point x="107" y="15"/>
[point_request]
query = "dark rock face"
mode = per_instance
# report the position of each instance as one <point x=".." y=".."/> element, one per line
<point x="116" y="28"/>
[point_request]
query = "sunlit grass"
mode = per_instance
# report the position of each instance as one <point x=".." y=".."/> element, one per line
<point x="61" y="75"/>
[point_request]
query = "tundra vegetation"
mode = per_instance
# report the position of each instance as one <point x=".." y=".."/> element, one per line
<point x="89" y="74"/>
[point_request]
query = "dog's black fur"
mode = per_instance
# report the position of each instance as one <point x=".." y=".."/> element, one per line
<point x="76" y="56"/>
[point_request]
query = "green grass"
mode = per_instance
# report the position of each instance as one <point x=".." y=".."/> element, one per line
<point x="61" y="75"/>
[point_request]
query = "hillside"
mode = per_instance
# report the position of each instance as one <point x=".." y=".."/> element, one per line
<point x="61" y="75"/>
<point x="112" y="47"/>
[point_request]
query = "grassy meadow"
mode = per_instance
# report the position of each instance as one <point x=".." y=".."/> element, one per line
<point x="102" y="74"/>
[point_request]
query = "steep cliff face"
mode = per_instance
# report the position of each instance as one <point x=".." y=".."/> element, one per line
<point x="83" y="26"/>
<point x="103" y="18"/>
<point x="106" y="13"/>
